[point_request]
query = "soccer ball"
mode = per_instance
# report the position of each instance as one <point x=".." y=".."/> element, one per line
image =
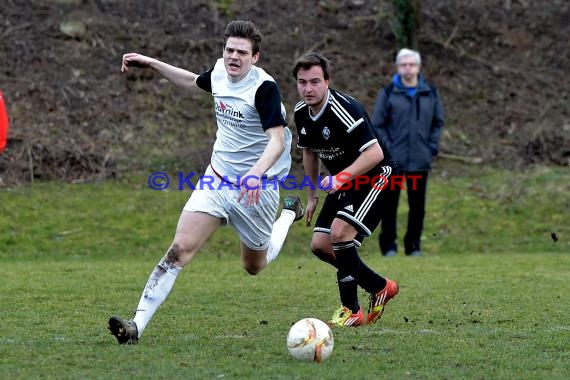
<point x="311" y="340"/>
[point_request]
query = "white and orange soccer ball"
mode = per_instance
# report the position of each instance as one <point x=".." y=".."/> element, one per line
<point x="310" y="339"/>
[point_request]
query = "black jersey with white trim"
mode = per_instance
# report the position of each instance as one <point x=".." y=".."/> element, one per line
<point x="339" y="133"/>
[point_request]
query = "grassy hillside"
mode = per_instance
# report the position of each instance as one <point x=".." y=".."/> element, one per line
<point x="74" y="116"/>
<point x="480" y="211"/>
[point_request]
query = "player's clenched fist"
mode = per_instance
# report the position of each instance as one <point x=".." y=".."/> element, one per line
<point x="134" y="60"/>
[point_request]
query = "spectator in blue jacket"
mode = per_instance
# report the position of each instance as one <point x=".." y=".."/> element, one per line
<point x="408" y="115"/>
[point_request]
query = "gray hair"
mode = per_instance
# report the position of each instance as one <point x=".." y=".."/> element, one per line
<point x="408" y="53"/>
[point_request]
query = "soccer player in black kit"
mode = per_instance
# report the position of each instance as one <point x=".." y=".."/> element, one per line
<point x="335" y="128"/>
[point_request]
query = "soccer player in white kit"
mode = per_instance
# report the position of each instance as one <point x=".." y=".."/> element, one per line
<point x="252" y="144"/>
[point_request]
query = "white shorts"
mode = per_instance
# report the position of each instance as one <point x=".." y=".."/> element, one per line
<point x="253" y="224"/>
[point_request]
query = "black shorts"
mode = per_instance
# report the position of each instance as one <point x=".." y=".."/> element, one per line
<point x="360" y="207"/>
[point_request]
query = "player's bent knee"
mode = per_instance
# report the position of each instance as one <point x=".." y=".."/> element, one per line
<point x="179" y="254"/>
<point x="337" y="236"/>
<point x="174" y="252"/>
<point x="252" y="269"/>
<point x="324" y="255"/>
<point x="320" y="245"/>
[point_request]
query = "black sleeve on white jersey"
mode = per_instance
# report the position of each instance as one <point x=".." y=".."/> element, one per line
<point x="204" y="80"/>
<point x="268" y="105"/>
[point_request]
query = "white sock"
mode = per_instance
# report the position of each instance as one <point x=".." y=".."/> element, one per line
<point x="155" y="292"/>
<point x="279" y="233"/>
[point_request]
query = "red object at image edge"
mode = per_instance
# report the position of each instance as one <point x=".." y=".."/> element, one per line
<point x="3" y="123"/>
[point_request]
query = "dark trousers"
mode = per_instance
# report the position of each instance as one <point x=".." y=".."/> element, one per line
<point x="415" y="184"/>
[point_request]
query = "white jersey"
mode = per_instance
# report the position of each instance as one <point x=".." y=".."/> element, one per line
<point x="244" y="110"/>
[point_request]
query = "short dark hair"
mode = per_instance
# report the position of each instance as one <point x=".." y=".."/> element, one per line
<point x="309" y="60"/>
<point x="244" y="29"/>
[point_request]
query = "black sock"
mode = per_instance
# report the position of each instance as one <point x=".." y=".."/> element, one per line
<point x="348" y="267"/>
<point x="369" y="280"/>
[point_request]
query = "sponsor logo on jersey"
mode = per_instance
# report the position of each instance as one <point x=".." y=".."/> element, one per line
<point x="227" y="110"/>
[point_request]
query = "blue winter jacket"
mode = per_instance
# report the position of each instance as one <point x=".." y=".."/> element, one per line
<point x="410" y="123"/>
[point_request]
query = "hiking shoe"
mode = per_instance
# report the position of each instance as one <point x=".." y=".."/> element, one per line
<point x="293" y="203"/>
<point x="344" y="317"/>
<point x="124" y="330"/>
<point x="379" y="300"/>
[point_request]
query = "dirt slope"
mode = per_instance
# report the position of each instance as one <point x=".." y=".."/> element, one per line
<point x="498" y="63"/>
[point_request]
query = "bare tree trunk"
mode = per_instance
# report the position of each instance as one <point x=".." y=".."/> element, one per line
<point x="408" y="20"/>
<point x="415" y="7"/>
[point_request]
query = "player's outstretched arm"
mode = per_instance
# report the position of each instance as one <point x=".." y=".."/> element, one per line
<point x="175" y="75"/>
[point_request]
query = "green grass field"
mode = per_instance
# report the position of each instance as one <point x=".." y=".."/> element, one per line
<point x="487" y="301"/>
